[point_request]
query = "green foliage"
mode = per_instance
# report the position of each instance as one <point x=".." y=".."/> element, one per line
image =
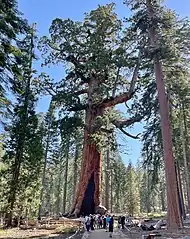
<point x="98" y="55"/>
<point x="132" y="198"/>
<point x="172" y="50"/>
<point x="23" y="151"/>
<point x="11" y="25"/>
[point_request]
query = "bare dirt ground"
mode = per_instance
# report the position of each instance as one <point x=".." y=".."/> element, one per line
<point x="60" y="229"/>
<point x="16" y="233"/>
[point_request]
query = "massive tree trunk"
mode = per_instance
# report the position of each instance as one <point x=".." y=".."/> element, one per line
<point x="88" y="192"/>
<point x="173" y="212"/>
<point x="87" y="198"/>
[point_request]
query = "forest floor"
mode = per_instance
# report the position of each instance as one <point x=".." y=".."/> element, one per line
<point x="16" y="233"/>
<point x="97" y="234"/>
<point x="136" y="232"/>
<point x="55" y="232"/>
<point x="161" y="234"/>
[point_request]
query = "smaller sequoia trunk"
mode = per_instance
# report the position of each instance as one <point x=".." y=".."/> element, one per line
<point x="88" y="193"/>
<point x="174" y="218"/>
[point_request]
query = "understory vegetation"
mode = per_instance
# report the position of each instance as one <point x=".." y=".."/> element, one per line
<point x="106" y="61"/>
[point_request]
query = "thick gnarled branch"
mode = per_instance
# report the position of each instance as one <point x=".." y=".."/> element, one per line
<point x="112" y="101"/>
<point x="120" y="124"/>
<point x="126" y="123"/>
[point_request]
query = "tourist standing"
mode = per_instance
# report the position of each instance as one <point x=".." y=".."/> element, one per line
<point x="111" y="225"/>
<point x="107" y="221"/>
<point x="100" y="221"/>
<point x="123" y="222"/>
<point x="87" y="223"/>
<point x="92" y="220"/>
<point x="119" y="222"/>
<point x="104" y="222"/>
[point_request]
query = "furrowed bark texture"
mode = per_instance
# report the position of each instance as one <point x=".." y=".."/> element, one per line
<point x="87" y="199"/>
<point x="88" y="192"/>
<point x="173" y="211"/>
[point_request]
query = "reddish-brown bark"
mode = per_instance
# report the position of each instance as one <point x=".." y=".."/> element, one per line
<point x="88" y="192"/>
<point x="91" y="164"/>
<point x="173" y="212"/>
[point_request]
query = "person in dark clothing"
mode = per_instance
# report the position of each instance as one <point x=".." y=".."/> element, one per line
<point x="111" y="223"/>
<point x="92" y="223"/>
<point x="100" y="222"/>
<point x="104" y="222"/>
<point x="123" y="222"/>
<point x="119" y="221"/>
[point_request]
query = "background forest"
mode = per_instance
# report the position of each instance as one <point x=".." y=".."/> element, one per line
<point x="41" y="153"/>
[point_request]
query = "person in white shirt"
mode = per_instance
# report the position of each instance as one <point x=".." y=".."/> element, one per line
<point x="87" y="223"/>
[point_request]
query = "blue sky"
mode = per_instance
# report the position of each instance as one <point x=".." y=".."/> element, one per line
<point x="43" y="12"/>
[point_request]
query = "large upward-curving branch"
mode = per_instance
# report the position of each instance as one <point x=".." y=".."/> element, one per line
<point x="127" y="122"/>
<point x="112" y="101"/>
<point x="121" y="124"/>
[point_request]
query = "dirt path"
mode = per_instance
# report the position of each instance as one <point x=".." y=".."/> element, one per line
<point x="102" y="234"/>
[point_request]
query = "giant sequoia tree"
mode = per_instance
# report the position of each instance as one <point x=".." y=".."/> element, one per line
<point x="99" y="62"/>
<point x="166" y="52"/>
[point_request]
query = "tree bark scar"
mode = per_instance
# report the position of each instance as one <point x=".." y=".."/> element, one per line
<point x="90" y="178"/>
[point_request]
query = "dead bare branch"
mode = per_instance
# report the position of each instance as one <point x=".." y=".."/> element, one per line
<point x="135" y="74"/>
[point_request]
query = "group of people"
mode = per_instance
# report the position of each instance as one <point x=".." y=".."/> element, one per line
<point x="121" y="222"/>
<point x="93" y="222"/>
